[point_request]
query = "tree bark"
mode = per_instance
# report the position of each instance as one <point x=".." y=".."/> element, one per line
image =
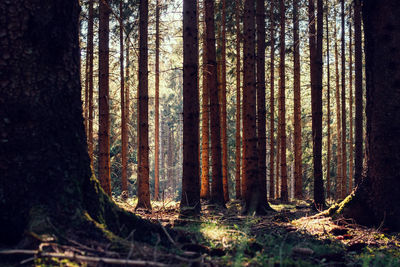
<point x="298" y="173"/>
<point x="272" y="104"/>
<point x="190" y="199"/>
<point x="238" y="101"/>
<point x="282" y="108"/>
<point x="205" y="125"/>
<point x="351" y="157"/>
<point x="104" y="97"/>
<point x="328" y="108"/>
<point x="90" y="82"/>
<point x="143" y="190"/>
<point x="358" y="161"/>
<point x="157" y="108"/>
<point x="343" y="135"/>
<point x="217" y="195"/>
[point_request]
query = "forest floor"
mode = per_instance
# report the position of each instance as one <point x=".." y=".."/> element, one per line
<point x="294" y="235"/>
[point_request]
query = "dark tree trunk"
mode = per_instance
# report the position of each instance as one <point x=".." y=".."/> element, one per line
<point x="45" y="174"/>
<point x="238" y="102"/>
<point x="328" y="108"/>
<point x="90" y="81"/>
<point x="190" y="199"/>
<point x="157" y="108"/>
<point x="358" y="161"/>
<point x="217" y="194"/>
<point x="104" y="96"/>
<point x="143" y="120"/>
<point x="282" y="104"/>
<point x="377" y="199"/>
<point x="351" y="155"/>
<point x="298" y="173"/>
<point x="272" y="104"/>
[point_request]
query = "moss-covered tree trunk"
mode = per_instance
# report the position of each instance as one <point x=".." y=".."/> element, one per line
<point x="45" y="176"/>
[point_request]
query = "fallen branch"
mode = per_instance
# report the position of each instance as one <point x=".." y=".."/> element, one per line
<point x="82" y="258"/>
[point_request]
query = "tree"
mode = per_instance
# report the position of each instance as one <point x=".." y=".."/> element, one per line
<point x="237" y="134"/>
<point x="90" y="81"/>
<point x="343" y="135"/>
<point x="45" y="178"/>
<point x="298" y="173"/>
<point x="104" y="110"/>
<point x="205" y="124"/>
<point x="272" y="103"/>
<point x="224" y="129"/>
<point x="157" y="108"/>
<point x="376" y="201"/>
<point x="124" y="132"/>
<point x="358" y="157"/>
<point x="282" y="108"/>
<point x="217" y="195"/>
<point x="315" y="41"/>
<point x="351" y="156"/>
<point x="143" y="104"/>
<point x="190" y="200"/>
<point x="328" y="109"/>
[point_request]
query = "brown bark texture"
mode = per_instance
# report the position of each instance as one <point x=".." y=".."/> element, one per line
<point x="328" y="110"/>
<point x="157" y="108"/>
<point x="343" y="106"/>
<point x="190" y="199"/>
<point x="238" y="101"/>
<point x="272" y="104"/>
<point x="143" y="189"/>
<point x="351" y="153"/>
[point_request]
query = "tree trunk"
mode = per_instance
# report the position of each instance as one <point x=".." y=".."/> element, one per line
<point x="343" y="135"/>
<point x="143" y="103"/>
<point x="351" y="158"/>
<point x="338" y="122"/>
<point x="127" y="99"/>
<point x="282" y="108"/>
<point x="157" y="108"/>
<point x="217" y="194"/>
<point x="190" y="200"/>
<point x="104" y="110"/>
<point x="358" y="93"/>
<point x="328" y="108"/>
<point x="205" y="125"/>
<point x="298" y="173"/>
<point x="249" y="111"/>
<point x="238" y="101"/>
<point x="45" y="178"/>
<point x="224" y="129"/>
<point x="124" y="133"/>
<point x="90" y="82"/>
<point x="261" y="109"/>
<point x="272" y="104"/>
<point x="377" y="198"/>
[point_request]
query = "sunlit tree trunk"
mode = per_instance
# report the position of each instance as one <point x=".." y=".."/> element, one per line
<point x="358" y="93"/>
<point x="282" y="107"/>
<point x="190" y="199"/>
<point x="272" y="103"/>
<point x="298" y="173"/>
<point x="104" y="112"/>
<point x="143" y="106"/>
<point x="124" y="134"/>
<point x="205" y="123"/>
<point x="238" y="101"/>
<point x="157" y="108"/>
<point x="217" y="194"/>
<point x="224" y="129"/>
<point x="127" y="96"/>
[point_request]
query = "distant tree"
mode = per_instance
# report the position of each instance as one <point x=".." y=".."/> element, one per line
<point x="272" y="103"/>
<point x="298" y="173"/>
<point x="343" y="135"/>
<point x="124" y="132"/>
<point x="238" y="102"/>
<point x="351" y="155"/>
<point x="217" y="195"/>
<point x="328" y="109"/>
<point x="104" y="96"/>
<point x="190" y="199"/>
<point x="282" y="103"/>
<point x="143" y="104"/>
<point x="358" y="93"/>
<point x="157" y="108"/>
